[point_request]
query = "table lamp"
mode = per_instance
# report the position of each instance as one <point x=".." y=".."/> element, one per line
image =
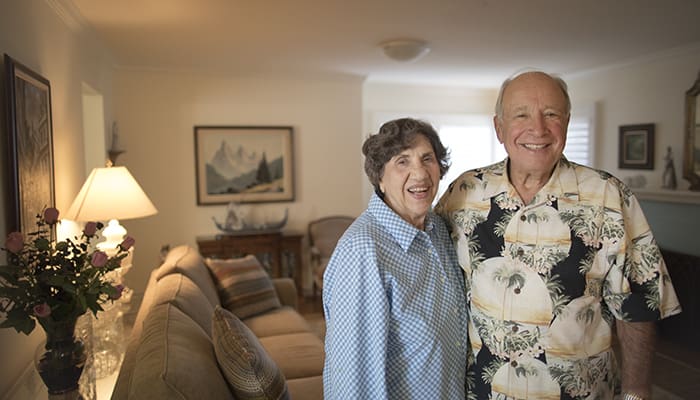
<point x="110" y="194"/>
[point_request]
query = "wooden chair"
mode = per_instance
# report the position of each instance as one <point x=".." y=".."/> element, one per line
<point x="323" y="236"/>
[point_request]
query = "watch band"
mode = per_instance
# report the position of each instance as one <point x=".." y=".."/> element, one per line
<point x="631" y="396"/>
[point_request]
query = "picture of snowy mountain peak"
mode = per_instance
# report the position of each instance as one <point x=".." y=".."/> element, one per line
<point x="238" y="170"/>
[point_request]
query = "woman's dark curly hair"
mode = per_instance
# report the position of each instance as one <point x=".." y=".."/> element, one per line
<point x="393" y="138"/>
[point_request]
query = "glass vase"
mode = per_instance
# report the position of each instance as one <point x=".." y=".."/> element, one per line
<point x="61" y="360"/>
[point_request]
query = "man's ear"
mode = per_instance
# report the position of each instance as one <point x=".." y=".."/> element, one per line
<point x="497" y="126"/>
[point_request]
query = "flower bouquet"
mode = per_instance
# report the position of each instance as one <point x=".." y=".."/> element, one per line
<point x="53" y="283"/>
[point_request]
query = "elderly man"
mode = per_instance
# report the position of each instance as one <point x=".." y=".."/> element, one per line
<point x="555" y="256"/>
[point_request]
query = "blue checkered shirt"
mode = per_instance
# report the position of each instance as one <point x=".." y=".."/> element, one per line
<point x="394" y="302"/>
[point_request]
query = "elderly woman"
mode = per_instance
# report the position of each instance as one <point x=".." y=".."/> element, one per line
<point x="393" y="293"/>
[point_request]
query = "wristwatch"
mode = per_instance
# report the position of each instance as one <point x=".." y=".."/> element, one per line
<point x="631" y="396"/>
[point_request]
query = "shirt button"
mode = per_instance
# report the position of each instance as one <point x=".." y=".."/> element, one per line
<point x="523" y="217"/>
<point x="516" y="290"/>
<point x="515" y="328"/>
<point x="513" y="363"/>
<point x="520" y="252"/>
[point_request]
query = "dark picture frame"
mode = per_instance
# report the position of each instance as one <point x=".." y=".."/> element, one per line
<point x="30" y="145"/>
<point x="636" y="146"/>
<point x="244" y="164"/>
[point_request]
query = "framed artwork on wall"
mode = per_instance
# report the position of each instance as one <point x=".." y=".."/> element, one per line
<point x="243" y="164"/>
<point x="30" y="145"/>
<point x="636" y="147"/>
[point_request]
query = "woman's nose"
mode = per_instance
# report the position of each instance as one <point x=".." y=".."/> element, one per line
<point x="419" y="170"/>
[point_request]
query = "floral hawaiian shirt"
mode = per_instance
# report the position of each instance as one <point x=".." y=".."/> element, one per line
<point x="545" y="281"/>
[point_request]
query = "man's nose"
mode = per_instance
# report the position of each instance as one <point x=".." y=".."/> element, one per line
<point x="537" y="124"/>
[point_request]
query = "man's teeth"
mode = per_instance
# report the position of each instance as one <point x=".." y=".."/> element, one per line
<point x="415" y="190"/>
<point x="535" y="146"/>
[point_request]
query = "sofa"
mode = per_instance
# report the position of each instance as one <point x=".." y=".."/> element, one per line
<point x="174" y="350"/>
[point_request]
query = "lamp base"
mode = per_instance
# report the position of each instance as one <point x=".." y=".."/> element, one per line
<point x="113" y="234"/>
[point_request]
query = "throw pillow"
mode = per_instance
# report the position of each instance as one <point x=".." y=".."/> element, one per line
<point x="249" y="370"/>
<point x="244" y="286"/>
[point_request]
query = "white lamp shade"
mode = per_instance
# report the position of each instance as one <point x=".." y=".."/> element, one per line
<point x="110" y="193"/>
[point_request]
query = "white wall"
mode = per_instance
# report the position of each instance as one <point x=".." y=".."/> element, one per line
<point x="32" y="33"/>
<point x="158" y="110"/>
<point x="649" y="91"/>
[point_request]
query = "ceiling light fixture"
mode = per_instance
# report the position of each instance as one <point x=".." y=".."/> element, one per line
<point x="405" y="50"/>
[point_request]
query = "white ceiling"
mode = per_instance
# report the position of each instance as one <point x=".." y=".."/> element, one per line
<point x="474" y="42"/>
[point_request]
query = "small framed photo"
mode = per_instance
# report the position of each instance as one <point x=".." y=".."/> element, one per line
<point x="636" y="146"/>
<point x="31" y="170"/>
<point x="243" y="164"/>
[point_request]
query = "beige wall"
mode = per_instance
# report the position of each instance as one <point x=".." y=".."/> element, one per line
<point x="32" y="33"/>
<point x="158" y="110"/>
<point x="648" y="91"/>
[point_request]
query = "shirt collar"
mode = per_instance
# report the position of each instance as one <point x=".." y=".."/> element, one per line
<point x="563" y="181"/>
<point x="403" y="232"/>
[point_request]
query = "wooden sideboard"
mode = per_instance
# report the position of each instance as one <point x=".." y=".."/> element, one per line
<point x="279" y="252"/>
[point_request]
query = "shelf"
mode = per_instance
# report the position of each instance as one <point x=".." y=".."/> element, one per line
<point x="668" y="196"/>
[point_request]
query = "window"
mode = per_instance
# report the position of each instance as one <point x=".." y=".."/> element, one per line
<point x="472" y="141"/>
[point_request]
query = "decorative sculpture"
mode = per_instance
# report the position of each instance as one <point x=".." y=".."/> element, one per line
<point x="668" y="179"/>
<point x="239" y="221"/>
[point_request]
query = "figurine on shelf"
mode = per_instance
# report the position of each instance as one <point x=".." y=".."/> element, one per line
<point x="668" y="179"/>
<point x="238" y="220"/>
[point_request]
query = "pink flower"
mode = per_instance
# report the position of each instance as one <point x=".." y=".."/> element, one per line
<point x="90" y="229"/>
<point x="118" y="294"/>
<point x="127" y="243"/>
<point x="14" y="242"/>
<point x="99" y="259"/>
<point x="51" y="215"/>
<point x="42" y="310"/>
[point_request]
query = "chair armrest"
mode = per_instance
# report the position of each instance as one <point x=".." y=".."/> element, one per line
<point x="286" y="291"/>
<point x="315" y="254"/>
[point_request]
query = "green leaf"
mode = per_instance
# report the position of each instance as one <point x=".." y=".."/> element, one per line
<point x="55" y="280"/>
<point x="42" y="243"/>
<point x="22" y="325"/>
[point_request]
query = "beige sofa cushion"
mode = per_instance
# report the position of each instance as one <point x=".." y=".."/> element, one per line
<point x="310" y="388"/>
<point x="186" y="260"/>
<point x="298" y="355"/>
<point x="244" y="286"/>
<point x="277" y="322"/>
<point x="249" y="370"/>
<point x="175" y="359"/>
<point x="180" y="291"/>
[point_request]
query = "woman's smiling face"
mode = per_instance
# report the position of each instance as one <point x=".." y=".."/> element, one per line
<point x="410" y="181"/>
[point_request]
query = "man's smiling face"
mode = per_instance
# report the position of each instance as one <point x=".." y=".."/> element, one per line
<point x="534" y="123"/>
